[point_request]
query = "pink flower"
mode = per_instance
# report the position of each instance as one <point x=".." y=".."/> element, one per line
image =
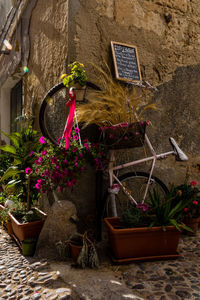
<point x="111" y="136"/>
<point x="28" y="170"/>
<point x="186" y="209"/>
<point x="85" y="140"/>
<point x="82" y="169"/>
<point x="54" y="160"/>
<point x="86" y="146"/>
<point x="76" y="130"/>
<point x="195" y="202"/>
<point x="44" y="152"/>
<point x="193" y="183"/>
<point x="76" y="164"/>
<point x="38" y="186"/>
<point x="65" y="161"/>
<point x="40" y="159"/>
<point x="137" y="133"/>
<point x="143" y="206"/>
<point x="75" y="149"/>
<point x="60" y="188"/>
<point x="31" y="153"/>
<point x="42" y="140"/>
<point x="39" y="181"/>
<point x="37" y="162"/>
<point x="81" y="155"/>
<point x="76" y="137"/>
<point x="69" y="183"/>
<point x="147" y="122"/>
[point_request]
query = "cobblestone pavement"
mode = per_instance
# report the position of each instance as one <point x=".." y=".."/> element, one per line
<point x="24" y="279"/>
<point x="27" y="278"/>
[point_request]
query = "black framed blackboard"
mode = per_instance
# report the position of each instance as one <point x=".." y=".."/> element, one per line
<point x="126" y="62"/>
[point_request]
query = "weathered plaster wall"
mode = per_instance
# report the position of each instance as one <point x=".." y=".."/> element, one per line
<point x="167" y="35"/>
<point x="48" y="41"/>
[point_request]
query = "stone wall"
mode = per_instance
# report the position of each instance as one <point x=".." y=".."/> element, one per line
<point x="48" y="52"/>
<point x="167" y="35"/>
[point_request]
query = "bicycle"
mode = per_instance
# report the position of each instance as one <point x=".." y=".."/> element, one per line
<point x="136" y="185"/>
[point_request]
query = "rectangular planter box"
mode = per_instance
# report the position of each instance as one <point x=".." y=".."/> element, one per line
<point x="141" y="242"/>
<point x="27" y="230"/>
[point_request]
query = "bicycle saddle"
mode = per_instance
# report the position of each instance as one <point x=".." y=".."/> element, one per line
<point x="180" y="155"/>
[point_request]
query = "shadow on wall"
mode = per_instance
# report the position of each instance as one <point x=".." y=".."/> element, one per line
<point x="178" y="111"/>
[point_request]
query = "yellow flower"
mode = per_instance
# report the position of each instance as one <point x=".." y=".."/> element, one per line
<point x="63" y="76"/>
<point x="179" y="193"/>
<point x="81" y="65"/>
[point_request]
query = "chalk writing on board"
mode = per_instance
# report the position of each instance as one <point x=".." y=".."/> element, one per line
<point x="126" y="62"/>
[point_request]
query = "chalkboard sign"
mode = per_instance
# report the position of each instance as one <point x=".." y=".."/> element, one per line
<point x="126" y="62"/>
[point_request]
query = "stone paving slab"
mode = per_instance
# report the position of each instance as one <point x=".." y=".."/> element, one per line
<point x="30" y="278"/>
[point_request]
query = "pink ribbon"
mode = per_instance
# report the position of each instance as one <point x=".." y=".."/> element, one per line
<point x="68" y="128"/>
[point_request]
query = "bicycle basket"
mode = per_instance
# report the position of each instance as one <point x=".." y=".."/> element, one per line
<point x="124" y="135"/>
<point x="120" y="136"/>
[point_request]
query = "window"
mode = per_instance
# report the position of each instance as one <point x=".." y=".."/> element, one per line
<point x="15" y="106"/>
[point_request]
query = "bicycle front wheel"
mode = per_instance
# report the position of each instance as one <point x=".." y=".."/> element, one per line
<point x="135" y="183"/>
<point x="53" y="113"/>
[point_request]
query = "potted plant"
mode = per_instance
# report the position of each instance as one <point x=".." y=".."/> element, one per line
<point x="191" y="213"/>
<point x="26" y="223"/>
<point x="147" y="231"/>
<point x="81" y="248"/>
<point x="57" y="168"/>
<point x="77" y="78"/>
<point x="115" y="109"/>
<point x="22" y="188"/>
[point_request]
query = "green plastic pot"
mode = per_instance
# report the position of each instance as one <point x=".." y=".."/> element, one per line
<point x="28" y="247"/>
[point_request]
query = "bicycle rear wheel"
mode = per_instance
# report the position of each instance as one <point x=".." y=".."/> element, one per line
<point x="135" y="183"/>
<point x="53" y="113"/>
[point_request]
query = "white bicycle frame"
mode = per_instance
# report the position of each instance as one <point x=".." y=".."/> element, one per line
<point x="113" y="177"/>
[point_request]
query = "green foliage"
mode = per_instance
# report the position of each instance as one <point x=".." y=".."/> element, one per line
<point x="190" y="194"/>
<point x="134" y="217"/>
<point x="165" y="213"/>
<point x="77" y="75"/>
<point x="24" y="143"/>
<point x="158" y="212"/>
<point x="4" y="217"/>
<point x="5" y="162"/>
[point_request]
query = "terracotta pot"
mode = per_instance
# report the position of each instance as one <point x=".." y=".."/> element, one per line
<point x="193" y="223"/>
<point x="142" y="243"/>
<point x="75" y="251"/>
<point x="9" y="227"/>
<point x="27" y="230"/>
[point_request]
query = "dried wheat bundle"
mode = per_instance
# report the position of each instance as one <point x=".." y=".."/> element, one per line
<point x="115" y="103"/>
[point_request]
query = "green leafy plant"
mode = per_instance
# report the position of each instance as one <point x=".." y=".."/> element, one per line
<point x="77" y="75"/>
<point x="157" y="212"/>
<point x="190" y="194"/>
<point x="24" y="144"/>
<point x="5" y="162"/>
